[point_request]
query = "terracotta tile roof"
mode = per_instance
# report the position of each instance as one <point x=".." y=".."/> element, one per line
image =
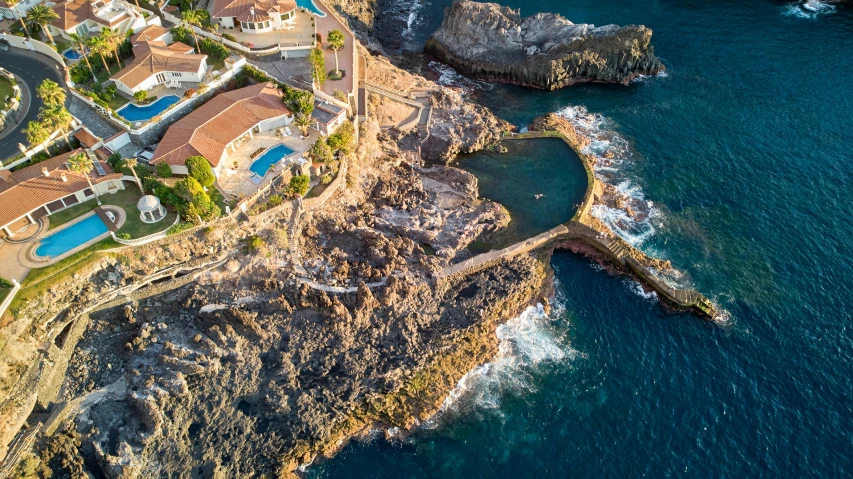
<point x="74" y="12"/>
<point x="242" y="8"/>
<point x="86" y="139"/>
<point x="151" y="58"/>
<point x="208" y="130"/>
<point x="148" y="34"/>
<point x="27" y="189"/>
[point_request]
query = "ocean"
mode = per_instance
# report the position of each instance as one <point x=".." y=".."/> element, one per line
<point x="742" y="152"/>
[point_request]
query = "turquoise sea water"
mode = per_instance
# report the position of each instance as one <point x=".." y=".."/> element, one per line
<point x="744" y="150"/>
<point x="71" y="237"/>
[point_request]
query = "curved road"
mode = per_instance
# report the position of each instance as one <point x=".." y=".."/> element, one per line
<point x="33" y="69"/>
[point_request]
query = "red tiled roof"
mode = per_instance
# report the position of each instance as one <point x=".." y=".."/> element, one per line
<point x="148" y="34"/>
<point x="208" y="130"/>
<point x="25" y="190"/>
<point x="86" y="139"/>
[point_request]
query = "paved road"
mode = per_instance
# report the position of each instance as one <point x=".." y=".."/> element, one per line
<point x="33" y="69"/>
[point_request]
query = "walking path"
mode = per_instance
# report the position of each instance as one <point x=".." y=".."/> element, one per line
<point x="422" y="102"/>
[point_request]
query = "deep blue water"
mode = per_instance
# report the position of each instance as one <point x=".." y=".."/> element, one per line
<point x="66" y="239"/>
<point x="270" y="157"/>
<point x="744" y="150"/>
<point x="132" y="112"/>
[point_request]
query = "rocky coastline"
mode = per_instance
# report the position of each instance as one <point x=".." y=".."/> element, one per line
<point x="495" y="43"/>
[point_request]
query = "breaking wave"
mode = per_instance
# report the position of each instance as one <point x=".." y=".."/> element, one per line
<point x="631" y="216"/>
<point x="809" y="9"/>
<point x="449" y="77"/>
<point x="527" y="344"/>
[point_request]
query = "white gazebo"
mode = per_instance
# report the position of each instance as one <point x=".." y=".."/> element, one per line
<point x="150" y="209"/>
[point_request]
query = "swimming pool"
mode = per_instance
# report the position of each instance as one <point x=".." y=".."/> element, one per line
<point x="133" y="112"/>
<point x="310" y="6"/>
<point x="263" y="163"/>
<point x="72" y="54"/>
<point x="71" y="237"/>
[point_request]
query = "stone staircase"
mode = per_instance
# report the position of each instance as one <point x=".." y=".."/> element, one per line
<point x="293" y="231"/>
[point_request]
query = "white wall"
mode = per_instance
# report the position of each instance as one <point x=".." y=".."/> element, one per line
<point x="226" y="22"/>
<point x="118" y="142"/>
<point x="273" y="123"/>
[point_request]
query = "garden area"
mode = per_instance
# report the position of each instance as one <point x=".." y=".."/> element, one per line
<point x="6" y="90"/>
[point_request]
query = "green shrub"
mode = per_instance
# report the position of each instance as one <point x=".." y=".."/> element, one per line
<point x="164" y="170"/>
<point x="5" y="283"/>
<point x="114" y="159"/>
<point x="318" y="65"/>
<point x="213" y="48"/>
<point x="254" y="244"/>
<point x="141" y="95"/>
<point x="299" y="184"/>
<point x="326" y="179"/>
<point x="199" y="168"/>
<point x="275" y="200"/>
<point x="320" y="151"/>
<point x="182" y="226"/>
<point x="343" y="139"/>
<point x="124" y="236"/>
<point x="188" y="188"/>
<point x="228" y="36"/>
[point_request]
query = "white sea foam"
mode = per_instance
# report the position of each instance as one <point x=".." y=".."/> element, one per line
<point x="613" y="153"/>
<point x="527" y="343"/>
<point x="638" y="289"/>
<point x="448" y="76"/>
<point x="810" y="9"/>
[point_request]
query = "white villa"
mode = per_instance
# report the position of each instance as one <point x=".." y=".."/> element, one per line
<point x="215" y="128"/>
<point x="155" y="62"/>
<point x="85" y="16"/>
<point x="18" y="11"/>
<point x="253" y="16"/>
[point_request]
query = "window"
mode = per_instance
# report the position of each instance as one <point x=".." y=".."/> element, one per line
<point x="177" y="74"/>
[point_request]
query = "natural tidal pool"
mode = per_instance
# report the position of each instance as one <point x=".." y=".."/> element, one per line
<point x="540" y="181"/>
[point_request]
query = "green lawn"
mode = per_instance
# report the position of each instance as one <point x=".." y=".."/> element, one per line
<point x="215" y="64"/>
<point x="118" y="101"/>
<point x="6" y="89"/>
<point x="103" y="76"/>
<point x="125" y="199"/>
<point x="62" y="45"/>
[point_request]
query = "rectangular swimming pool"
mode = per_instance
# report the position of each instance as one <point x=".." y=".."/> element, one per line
<point x="71" y="237"/>
<point x="133" y="112"/>
<point x="269" y="158"/>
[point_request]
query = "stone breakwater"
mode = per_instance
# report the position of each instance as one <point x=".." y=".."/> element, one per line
<point x="547" y="51"/>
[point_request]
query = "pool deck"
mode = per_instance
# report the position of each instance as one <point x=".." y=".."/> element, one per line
<point x="239" y="182"/>
<point x="28" y="259"/>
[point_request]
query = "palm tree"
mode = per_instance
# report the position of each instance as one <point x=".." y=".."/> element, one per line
<point x="41" y="16"/>
<point x="12" y="4"/>
<point x="36" y="133"/>
<point x="81" y="163"/>
<point x="336" y="41"/>
<point x="57" y="117"/>
<point x="50" y="92"/>
<point x="131" y="163"/>
<point x="303" y="122"/>
<point x="112" y="38"/>
<point x="80" y="45"/>
<point x="99" y="46"/>
<point x="193" y="18"/>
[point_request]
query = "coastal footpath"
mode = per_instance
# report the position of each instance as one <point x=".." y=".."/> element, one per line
<point x="495" y="43"/>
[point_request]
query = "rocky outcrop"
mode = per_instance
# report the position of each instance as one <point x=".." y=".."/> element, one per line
<point x="458" y="126"/>
<point x="547" y="51"/>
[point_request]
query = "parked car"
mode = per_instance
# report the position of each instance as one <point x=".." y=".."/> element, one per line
<point x="144" y="155"/>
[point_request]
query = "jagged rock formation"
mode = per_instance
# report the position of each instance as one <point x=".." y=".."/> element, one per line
<point x="547" y="51"/>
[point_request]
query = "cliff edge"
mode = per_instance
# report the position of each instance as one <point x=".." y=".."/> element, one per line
<point x="546" y="50"/>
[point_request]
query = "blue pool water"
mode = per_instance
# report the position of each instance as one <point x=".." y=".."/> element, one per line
<point x="71" y="237"/>
<point x="263" y="163"/>
<point x="309" y="5"/>
<point x="72" y="54"/>
<point x="133" y="112"/>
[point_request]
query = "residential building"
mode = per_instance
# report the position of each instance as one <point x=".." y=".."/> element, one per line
<point x="327" y="116"/>
<point x="47" y="187"/>
<point x="213" y="129"/>
<point x="253" y="16"/>
<point x="18" y="11"/>
<point x="87" y="16"/>
<point x="155" y="62"/>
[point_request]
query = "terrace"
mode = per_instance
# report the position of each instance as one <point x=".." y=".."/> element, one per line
<point x="302" y="33"/>
<point x="237" y="179"/>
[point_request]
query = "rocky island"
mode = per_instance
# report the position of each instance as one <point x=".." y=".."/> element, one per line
<point x="495" y="43"/>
